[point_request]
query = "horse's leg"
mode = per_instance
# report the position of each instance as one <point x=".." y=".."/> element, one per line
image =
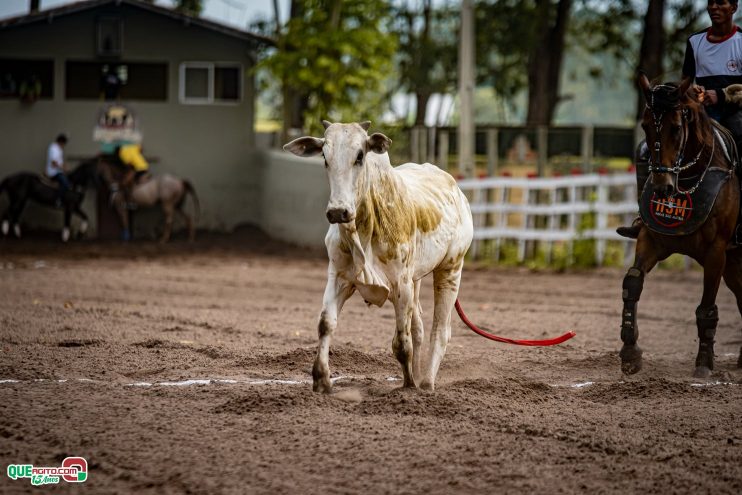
<point x="16" y="209"/>
<point x="446" y="289"/>
<point x="67" y="218"/>
<point x="168" y="210"/>
<point x="418" y="334"/>
<point x="707" y="314"/>
<point x="84" y="223"/>
<point x="645" y="259"/>
<point x="189" y="224"/>
<point x="337" y="291"/>
<point x="733" y="279"/>
<point x="5" y="227"/>
<point x="404" y="307"/>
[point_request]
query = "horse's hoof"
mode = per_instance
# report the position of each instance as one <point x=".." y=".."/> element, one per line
<point x="631" y="359"/>
<point x="65" y="234"/>
<point x="17" y="230"/>
<point x="631" y="367"/>
<point x="126" y="235"/>
<point x="6" y="227"/>
<point x="701" y="372"/>
<point x="83" y="227"/>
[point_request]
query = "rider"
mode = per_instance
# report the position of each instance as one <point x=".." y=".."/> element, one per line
<point x="131" y="156"/>
<point x="713" y="58"/>
<point x="56" y="168"/>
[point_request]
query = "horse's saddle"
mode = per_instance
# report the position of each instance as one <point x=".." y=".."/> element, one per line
<point x="48" y="182"/>
<point x="685" y="212"/>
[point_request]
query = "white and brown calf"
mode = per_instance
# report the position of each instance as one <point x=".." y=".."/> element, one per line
<point x="389" y="228"/>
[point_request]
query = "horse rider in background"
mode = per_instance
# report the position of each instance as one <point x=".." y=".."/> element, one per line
<point x="137" y="167"/>
<point x="56" y="168"/>
<point x="713" y="59"/>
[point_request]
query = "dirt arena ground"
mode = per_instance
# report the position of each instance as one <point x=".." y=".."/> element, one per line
<point x="98" y="343"/>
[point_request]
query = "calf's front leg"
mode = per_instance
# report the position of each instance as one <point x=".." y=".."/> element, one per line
<point x="337" y="292"/>
<point x="402" y="345"/>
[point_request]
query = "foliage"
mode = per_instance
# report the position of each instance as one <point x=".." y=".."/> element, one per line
<point x="190" y="7"/>
<point x="428" y="48"/>
<point x="337" y="53"/>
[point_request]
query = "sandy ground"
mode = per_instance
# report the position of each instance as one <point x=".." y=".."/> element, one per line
<point x="91" y="334"/>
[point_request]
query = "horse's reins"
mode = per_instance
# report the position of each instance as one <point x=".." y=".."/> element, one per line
<point x="486" y="333"/>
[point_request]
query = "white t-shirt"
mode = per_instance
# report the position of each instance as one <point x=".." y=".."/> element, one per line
<point x="55" y="154"/>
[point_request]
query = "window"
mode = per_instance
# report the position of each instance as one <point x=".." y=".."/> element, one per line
<point x="124" y="80"/>
<point x="28" y="79"/>
<point x="110" y="39"/>
<point x="207" y="82"/>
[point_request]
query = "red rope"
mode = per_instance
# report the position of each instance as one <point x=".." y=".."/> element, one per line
<point x="487" y="335"/>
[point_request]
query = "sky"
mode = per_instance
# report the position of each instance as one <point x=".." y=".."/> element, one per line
<point x="236" y="13"/>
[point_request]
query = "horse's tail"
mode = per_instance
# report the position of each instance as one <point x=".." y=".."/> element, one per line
<point x="190" y="189"/>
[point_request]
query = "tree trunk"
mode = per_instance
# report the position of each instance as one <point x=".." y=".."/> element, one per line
<point x="422" y="105"/>
<point x="545" y="61"/>
<point x="294" y="102"/>
<point x="653" y="47"/>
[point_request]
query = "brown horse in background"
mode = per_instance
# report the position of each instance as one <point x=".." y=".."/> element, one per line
<point x="166" y="190"/>
<point x="684" y="145"/>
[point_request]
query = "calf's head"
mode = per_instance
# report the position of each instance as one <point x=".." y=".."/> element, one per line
<point x="345" y="148"/>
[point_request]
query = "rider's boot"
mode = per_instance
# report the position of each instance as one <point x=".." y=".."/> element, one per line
<point x="632" y="231"/>
<point x="641" y="161"/>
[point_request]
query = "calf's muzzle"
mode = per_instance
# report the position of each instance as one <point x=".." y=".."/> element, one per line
<point x="339" y="215"/>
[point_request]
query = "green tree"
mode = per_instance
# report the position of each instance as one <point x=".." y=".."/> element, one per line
<point x="520" y="45"/>
<point x="190" y="7"/>
<point x="335" y="52"/>
<point x="427" y="54"/>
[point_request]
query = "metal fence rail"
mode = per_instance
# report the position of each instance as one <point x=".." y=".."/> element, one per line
<point x="538" y="212"/>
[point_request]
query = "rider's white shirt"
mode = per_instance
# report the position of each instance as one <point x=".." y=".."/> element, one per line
<point x="55" y="154"/>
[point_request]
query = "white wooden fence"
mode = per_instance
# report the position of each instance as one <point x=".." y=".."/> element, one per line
<point x="545" y="211"/>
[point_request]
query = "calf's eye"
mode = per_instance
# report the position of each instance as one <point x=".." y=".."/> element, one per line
<point x="359" y="158"/>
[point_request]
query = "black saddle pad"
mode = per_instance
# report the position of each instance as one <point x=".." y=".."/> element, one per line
<point x="48" y="182"/>
<point x="684" y="213"/>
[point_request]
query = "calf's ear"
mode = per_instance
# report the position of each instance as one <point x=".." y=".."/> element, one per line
<point x="305" y="146"/>
<point x="379" y="143"/>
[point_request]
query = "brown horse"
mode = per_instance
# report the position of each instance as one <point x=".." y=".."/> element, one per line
<point x="684" y="146"/>
<point x="166" y="190"/>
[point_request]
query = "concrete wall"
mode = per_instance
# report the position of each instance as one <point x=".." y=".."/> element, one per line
<point x="293" y="197"/>
<point x="209" y="144"/>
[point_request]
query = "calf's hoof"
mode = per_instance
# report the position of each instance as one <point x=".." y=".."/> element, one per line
<point x="701" y="372"/>
<point x="631" y="359"/>
<point x="322" y="386"/>
<point x="426" y="385"/>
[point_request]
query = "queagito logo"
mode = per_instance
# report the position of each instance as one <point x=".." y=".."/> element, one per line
<point x="72" y="470"/>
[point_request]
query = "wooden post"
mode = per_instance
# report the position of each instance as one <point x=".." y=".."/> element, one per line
<point x="492" y="152"/>
<point x="466" y="90"/>
<point x="542" y="143"/>
<point x="414" y="145"/>
<point x="601" y="222"/>
<point x="587" y="148"/>
<point x="443" y="149"/>
<point x="422" y="137"/>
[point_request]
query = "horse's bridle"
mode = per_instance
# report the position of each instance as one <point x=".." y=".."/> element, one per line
<point x="678" y="167"/>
